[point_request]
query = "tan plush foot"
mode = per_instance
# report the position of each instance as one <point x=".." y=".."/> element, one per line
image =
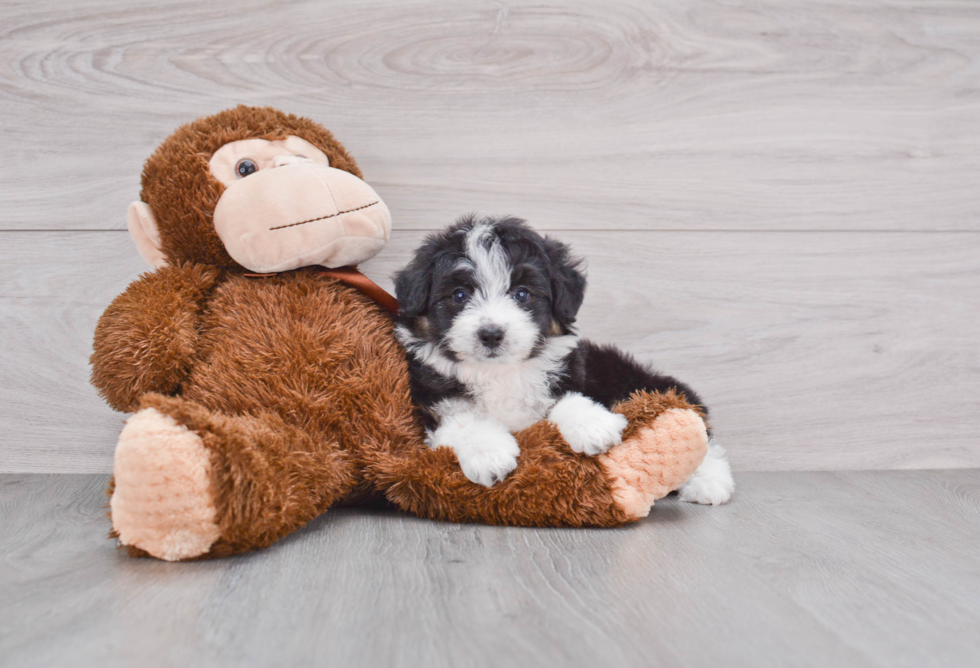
<point x="656" y="460"/>
<point x="162" y="500"/>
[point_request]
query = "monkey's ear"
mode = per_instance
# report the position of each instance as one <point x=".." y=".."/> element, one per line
<point x="143" y="229"/>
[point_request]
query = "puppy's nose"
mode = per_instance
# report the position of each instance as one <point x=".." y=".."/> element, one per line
<point x="490" y="336"/>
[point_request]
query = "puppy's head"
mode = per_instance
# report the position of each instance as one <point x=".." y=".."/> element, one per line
<point x="490" y="290"/>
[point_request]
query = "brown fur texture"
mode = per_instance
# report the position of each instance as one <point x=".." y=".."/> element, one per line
<point x="142" y="350"/>
<point x="295" y="382"/>
<point x="551" y="486"/>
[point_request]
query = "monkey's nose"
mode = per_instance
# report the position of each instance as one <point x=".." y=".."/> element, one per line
<point x="490" y="336"/>
<point x="281" y="160"/>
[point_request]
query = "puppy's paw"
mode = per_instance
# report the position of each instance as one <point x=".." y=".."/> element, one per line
<point x="706" y="491"/>
<point x="712" y="484"/>
<point x="488" y="463"/>
<point x="588" y="428"/>
<point x="487" y="452"/>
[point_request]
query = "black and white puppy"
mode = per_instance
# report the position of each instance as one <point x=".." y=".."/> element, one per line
<point x="487" y="314"/>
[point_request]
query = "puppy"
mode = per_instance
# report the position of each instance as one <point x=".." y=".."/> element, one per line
<point x="487" y="315"/>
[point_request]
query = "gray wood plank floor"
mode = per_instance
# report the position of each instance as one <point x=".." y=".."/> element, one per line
<point x="802" y="569"/>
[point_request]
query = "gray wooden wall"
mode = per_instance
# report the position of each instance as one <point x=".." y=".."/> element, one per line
<point x="779" y="202"/>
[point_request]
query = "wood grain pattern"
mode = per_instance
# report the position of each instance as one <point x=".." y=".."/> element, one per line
<point x="778" y="200"/>
<point x="828" y="115"/>
<point x="802" y="569"/>
<point x="814" y="350"/>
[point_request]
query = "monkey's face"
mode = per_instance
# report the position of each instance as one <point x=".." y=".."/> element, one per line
<point x="285" y="207"/>
<point x="259" y="189"/>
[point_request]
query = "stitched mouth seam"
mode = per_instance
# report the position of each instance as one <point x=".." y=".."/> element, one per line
<point x="332" y="215"/>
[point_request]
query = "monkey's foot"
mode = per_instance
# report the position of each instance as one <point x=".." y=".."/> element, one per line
<point x="655" y="459"/>
<point x="162" y="502"/>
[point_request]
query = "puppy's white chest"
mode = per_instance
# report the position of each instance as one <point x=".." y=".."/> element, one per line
<point x="517" y="397"/>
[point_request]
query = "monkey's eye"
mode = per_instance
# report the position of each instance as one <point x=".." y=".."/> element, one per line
<point x="245" y="167"/>
<point x="522" y="294"/>
<point x="460" y="296"/>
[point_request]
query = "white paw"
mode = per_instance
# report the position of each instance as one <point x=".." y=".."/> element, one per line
<point x="588" y="428"/>
<point x="706" y="491"/>
<point x="486" y="451"/>
<point x="488" y="464"/>
<point x="712" y="484"/>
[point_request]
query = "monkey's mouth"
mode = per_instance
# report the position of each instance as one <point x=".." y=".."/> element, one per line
<point x="332" y="215"/>
<point x="301" y="215"/>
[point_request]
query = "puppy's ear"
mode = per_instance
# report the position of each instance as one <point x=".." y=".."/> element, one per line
<point x="412" y="286"/>
<point x="567" y="284"/>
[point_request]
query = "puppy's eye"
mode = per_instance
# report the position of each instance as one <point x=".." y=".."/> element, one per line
<point x="522" y="294"/>
<point x="245" y="167"/>
<point x="460" y="296"/>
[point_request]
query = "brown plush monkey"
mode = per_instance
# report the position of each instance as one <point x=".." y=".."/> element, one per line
<point x="262" y="400"/>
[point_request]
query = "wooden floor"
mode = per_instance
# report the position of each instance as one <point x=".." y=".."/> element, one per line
<point x="803" y="569"/>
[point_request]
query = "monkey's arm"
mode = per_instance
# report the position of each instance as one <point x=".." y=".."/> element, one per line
<point x="146" y="339"/>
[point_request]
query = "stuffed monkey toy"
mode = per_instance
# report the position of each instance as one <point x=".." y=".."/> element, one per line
<point x="265" y="388"/>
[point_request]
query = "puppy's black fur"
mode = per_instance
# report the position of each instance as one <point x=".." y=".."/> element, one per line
<point x="547" y="268"/>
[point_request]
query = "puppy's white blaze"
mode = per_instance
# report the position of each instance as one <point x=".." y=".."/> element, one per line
<point x="490" y="265"/>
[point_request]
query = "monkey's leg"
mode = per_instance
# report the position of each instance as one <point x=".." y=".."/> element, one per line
<point x="664" y="442"/>
<point x="192" y="483"/>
